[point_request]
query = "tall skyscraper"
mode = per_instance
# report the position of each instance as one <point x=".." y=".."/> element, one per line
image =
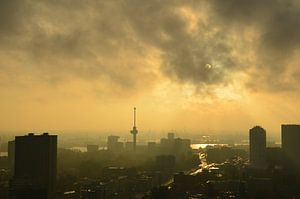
<point x="134" y="130"/>
<point x="257" y="140"/>
<point x="290" y="139"/>
<point x="35" y="167"/>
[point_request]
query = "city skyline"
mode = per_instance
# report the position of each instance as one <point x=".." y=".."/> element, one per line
<point x="149" y="99"/>
<point x="167" y="168"/>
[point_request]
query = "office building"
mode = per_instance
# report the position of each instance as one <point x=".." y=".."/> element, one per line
<point x="257" y="140"/>
<point x="290" y="139"/>
<point x="113" y="144"/>
<point x="35" y="167"/>
<point x="129" y="146"/>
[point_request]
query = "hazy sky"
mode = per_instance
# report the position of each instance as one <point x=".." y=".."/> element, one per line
<point x="194" y="65"/>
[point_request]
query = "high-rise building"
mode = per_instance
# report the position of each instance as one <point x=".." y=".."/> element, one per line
<point x="182" y="146"/>
<point x="35" y="167"/>
<point x="175" y="146"/>
<point x="290" y="139"/>
<point x="257" y="139"/>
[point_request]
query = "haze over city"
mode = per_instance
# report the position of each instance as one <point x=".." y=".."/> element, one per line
<point x="212" y="66"/>
<point x="149" y="99"/>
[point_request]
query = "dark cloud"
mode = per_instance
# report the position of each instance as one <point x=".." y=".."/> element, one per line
<point x="10" y="17"/>
<point x="111" y="41"/>
<point x="278" y="27"/>
<point x="185" y="55"/>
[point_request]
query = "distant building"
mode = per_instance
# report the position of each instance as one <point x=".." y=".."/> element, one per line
<point x="182" y="146"/>
<point x="290" y="138"/>
<point x="35" y="167"/>
<point x="129" y="146"/>
<point x="167" y="144"/>
<point x="274" y="157"/>
<point x="171" y="136"/>
<point x="257" y="140"/>
<point x="91" y="148"/>
<point x="174" y="146"/>
<point x="113" y="143"/>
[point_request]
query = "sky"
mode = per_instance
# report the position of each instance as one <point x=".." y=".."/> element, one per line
<point x="187" y="65"/>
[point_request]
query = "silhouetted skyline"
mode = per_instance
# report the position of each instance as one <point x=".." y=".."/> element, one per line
<point x="216" y="84"/>
<point x="166" y="169"/>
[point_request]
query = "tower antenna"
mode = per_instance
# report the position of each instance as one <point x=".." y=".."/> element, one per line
<point x="134" y="116"/>
<point x="134" y="130"/>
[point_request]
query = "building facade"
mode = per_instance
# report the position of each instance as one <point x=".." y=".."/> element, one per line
<point x="35" y="166"/>
<point x="257" y="139"/>
<point x="290" y="139"/>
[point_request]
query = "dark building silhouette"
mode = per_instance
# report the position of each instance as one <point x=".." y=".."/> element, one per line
<point x="171" y="136"/>
<point x="257" y="140"/>
<point x="129" y="146"/>
<point x="290" y="138"/>
<point x="113" y="143"/>
<point x="35" y="167"/>
<point x="273" y="157"/>
<point x="182" y="146"/>
<point x="175" y="146"/>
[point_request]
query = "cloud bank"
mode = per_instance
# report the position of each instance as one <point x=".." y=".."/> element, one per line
<point x="132" y="44"/>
